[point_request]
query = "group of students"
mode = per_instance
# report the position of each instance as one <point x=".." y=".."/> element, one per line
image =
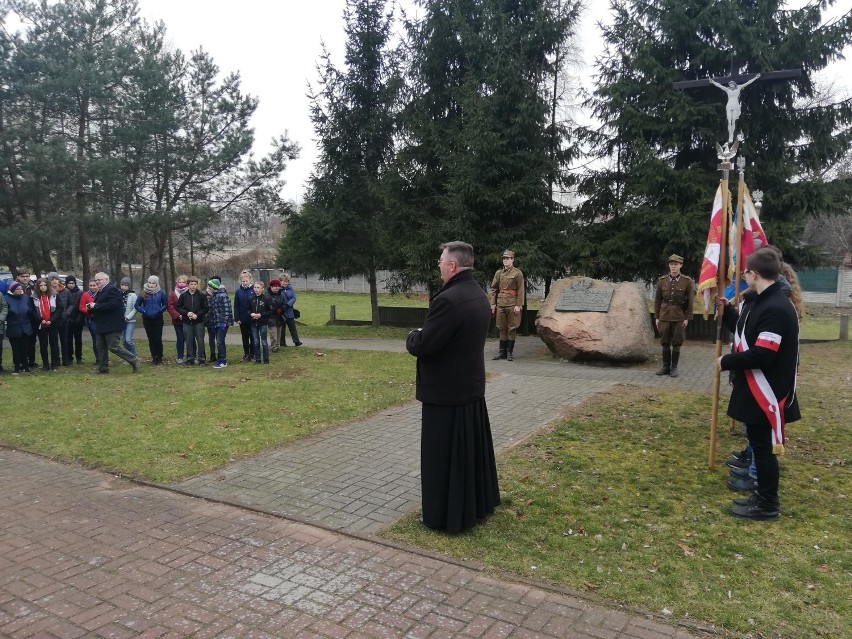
<point x="53" y="313"/>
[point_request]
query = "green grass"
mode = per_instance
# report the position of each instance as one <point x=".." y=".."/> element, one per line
<point x="616" y="499"/>
<point x="314" y="307"/>
<point x="167" y="423"/>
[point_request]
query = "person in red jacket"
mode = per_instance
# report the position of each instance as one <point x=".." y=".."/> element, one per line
<point x="177" y="320"/>
<point x="85" y="299"/>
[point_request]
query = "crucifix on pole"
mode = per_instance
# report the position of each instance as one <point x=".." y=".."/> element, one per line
<point x="732" y="85"/>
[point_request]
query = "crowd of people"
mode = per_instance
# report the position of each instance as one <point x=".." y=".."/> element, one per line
<point x="51" y="312"/>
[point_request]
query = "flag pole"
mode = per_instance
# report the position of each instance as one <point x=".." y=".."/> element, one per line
<point x="738" y="267"/>
<point x="725" y="155"/>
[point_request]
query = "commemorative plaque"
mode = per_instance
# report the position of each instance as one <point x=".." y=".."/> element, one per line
<point x="582" y="297"/>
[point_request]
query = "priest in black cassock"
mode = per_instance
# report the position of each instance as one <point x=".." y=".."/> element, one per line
<point x="457" y="469"/>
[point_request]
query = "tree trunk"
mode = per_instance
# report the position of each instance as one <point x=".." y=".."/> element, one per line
<point x="374" y="292"/>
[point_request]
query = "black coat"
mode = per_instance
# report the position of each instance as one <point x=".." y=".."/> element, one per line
<point x="450" y="348"/>
<point x="769" y="317"/>
<point x="196" y="303"/>
<point x="108" y="313"/>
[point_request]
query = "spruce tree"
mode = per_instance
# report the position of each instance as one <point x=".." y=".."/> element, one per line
<point x="651" y="191"/>
<point x="342" y="227"/>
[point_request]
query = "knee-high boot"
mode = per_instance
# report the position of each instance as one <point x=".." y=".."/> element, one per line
<point x="510" y="346"/>
<point x="675" y="358"/>
<point x="502" y="352"/>
<point x="666" y="368"/>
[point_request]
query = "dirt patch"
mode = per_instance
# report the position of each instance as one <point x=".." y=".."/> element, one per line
<point x="291" y="373"/>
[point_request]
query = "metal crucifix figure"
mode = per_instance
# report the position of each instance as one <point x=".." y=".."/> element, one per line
<point x="733" y="85"/>
<point x="733" y="107"/>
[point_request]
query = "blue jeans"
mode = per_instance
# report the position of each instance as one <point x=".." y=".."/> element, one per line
<point x="129" y="328"/>
<point x="258" y="336"/>
<point x="221" y="352"/>
<point x="90" y="324"/>
<point x="179" y="340"/>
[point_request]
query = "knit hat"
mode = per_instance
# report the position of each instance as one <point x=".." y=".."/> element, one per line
<point x="53" y="275"/>
<point x="14" y="286"/>
<point x="274" y="282"/>
<point x="70" y="279"/>
<point x="124" y="280"/>
<point x="215" y="284"/>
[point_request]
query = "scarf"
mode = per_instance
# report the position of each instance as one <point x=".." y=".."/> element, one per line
<point x="180" y="289"/>
<point x="151" y="288"/>
<point x="44" y="305"/>
<point x="760" y="388"/>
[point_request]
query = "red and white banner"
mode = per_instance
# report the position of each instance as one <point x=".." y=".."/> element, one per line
<point x="753" y="236"/>
<point x="710" y="266"/>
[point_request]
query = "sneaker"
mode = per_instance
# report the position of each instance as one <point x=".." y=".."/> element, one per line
<point x="741" y="454"/>
<point x="257" y="361"/>
<point x="201" y="362"/>
<point x="738" y="463"/>
<point x="747" y="485"/>
<point x="758" y="509"/>
<point x="220" y="365"/>
<point x="135" y="365"/>
<point x="274" y="349"/>
<point x="179" y="361"/>
<point x="739" y="473"/>
<point x="297" y="343"/>
<point x="745" y="501"/>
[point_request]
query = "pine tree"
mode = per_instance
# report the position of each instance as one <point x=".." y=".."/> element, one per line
<point x="655" y="149"/>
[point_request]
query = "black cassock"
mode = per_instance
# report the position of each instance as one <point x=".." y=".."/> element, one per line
<point x="457" y="470"/>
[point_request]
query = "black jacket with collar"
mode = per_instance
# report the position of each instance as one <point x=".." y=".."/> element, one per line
<point x="450" y="348"/>
<point x="108" y="313"/>
<point x="770" y="313"/>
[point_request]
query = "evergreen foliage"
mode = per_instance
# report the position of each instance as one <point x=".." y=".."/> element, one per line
<point x="657" y="168"/>
<point x="476" y="160"/>
<point x="342" y="228"/>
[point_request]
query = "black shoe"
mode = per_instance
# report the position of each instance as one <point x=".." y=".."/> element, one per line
<point x="135" y="365"/>
<point x="45" y="368"/>
<point x="295" y="344"/>
<point x="747" y="485"/>
<point x="739" y="473"/>
<point x="738" y="463"/>
<point x="741" y="454"/>
<point x="758" y="509"/>
<point x="745" y="501"/>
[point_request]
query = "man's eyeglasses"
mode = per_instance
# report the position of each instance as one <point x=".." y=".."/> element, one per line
<point x="747" y="271"/>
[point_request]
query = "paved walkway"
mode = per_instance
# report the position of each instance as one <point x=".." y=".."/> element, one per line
<point x="84" y="554"/>
<point x="362" y="476"/>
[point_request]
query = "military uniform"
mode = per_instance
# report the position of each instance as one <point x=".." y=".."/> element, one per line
<point x="672" y="305"/>
<point x="507" y="292"/>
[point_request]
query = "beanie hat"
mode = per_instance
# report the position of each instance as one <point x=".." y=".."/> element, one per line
<point x="274" y="283"/>
<point x="14" y="286"/>
<point x="124" y="280"/>
<point x="53" y="275"/>
<point x="70" y="279"/>
<point x="215" y="284"/>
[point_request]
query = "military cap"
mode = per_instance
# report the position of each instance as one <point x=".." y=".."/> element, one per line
<point x="674" y="258"/>
<point x="508" y="253"/>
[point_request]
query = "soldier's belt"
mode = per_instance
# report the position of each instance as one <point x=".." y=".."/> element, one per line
<point x="513" y="291"/>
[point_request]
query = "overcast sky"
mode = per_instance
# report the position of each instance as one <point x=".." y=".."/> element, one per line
<point x="275" y="46"/>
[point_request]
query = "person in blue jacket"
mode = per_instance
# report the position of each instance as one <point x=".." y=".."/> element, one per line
<point x="151" y="304"/>
<point x="242" y="313"/>
<point x="19" y="326"/>
<point x="289" y="296"/>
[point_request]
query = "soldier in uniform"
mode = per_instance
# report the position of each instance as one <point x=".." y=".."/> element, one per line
<point x="673" y="310"/>
<point x="507" y="297"/>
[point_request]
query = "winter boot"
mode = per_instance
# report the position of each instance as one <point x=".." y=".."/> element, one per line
<point x="502" y="353"/>
<point x="510" y="346"/>
<point x="675" y="358"/>
<point x="666" y="368"/>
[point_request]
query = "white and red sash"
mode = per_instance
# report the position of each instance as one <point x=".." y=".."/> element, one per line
<point x="760" y="388"/>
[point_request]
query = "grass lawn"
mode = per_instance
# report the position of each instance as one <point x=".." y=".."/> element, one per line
<point x="616" y="499"/>
<point x="314" y="306"/>
<point x="168" y="423"/>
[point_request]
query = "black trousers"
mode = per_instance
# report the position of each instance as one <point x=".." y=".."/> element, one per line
<point x="20" y="356"/>
<point x="245" y="332"/>
<point x="49" y="337"/>
<point x="766" y="464"/>
<point x="154" y="331"/>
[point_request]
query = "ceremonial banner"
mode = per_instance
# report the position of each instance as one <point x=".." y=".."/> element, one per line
<point x="710" y="266"/>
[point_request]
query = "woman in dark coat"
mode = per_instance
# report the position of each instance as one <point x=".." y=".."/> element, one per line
<point x="19" y="325"/>
<point x="458" y="472"/>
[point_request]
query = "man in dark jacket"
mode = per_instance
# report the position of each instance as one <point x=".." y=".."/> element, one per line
<point x="766" y="345"/>
<point x="458" y="472"/>
<point x="108" y="313"/>
<point x="192" y="306"/>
